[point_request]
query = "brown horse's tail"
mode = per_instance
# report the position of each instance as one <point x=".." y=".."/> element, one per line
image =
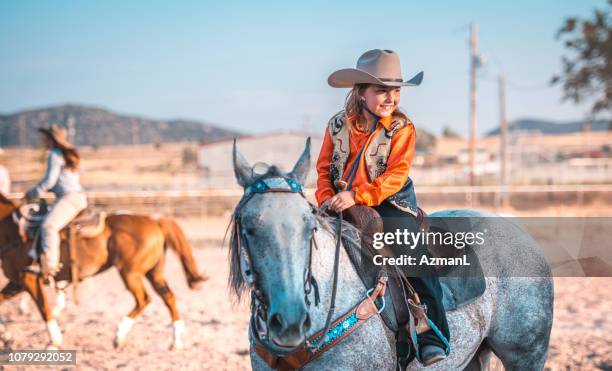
<point x="175" y="238"/>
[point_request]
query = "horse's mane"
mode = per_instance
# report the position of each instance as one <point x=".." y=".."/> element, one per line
<point x="351" y="236"/>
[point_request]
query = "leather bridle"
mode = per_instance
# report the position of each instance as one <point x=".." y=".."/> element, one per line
<point x="259" y="305"/>
<point x="322" y="340"/>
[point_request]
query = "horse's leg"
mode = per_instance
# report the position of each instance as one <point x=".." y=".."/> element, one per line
<point x="523" y="322"/>
<point x="133" y="282"/>
<point x="10" y="290"/>
<point x="528" y="354"/>
<point x="521" y="357"/>
<point x="60" y="298"/>
<point x="34" y="285"/>
<point x="24" y="305"/>
<point x="157" y="279"/>
<point x="481" y="360"/>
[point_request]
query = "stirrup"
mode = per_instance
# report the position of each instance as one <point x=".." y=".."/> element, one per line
<point x="440" y="355"/>
<point x="438" y="333"/>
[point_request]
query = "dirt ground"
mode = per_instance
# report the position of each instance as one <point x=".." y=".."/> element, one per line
<point x="217" y="329"/>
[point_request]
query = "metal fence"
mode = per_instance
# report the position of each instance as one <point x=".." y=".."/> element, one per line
<point x="218" y="202"/>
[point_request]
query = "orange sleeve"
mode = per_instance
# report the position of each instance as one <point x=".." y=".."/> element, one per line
<point x="325" y="187"/>
<point x="398" y="166"/>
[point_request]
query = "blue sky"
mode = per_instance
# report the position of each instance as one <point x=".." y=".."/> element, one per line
<point x="259" y="66"/>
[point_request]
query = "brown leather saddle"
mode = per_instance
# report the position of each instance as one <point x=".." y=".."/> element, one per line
<point x="88" y="223"/>
<point x="460" y="286"/>
<point x="407" y="316"/>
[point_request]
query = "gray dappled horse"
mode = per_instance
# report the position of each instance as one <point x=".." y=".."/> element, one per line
<point x="511" y="318"/>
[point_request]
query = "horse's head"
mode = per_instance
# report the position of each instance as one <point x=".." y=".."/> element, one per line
<point x="270" y="246"/>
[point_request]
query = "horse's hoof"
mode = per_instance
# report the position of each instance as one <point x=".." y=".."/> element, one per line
<point x="24" y="308"/>
<point x="53" y="346"/>
<point x="119" y="343"/>
<point x="196" y="283"/>
<point x="7" y="340"/>
<point x="177" y="345"/>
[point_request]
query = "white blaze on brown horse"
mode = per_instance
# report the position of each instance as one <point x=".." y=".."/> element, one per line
<point x="135" y="244"/>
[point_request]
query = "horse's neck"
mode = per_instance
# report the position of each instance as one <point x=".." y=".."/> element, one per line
<point x="8" y="228"/>
<point x="6" y="210"/>
<point x="350" y="289"/>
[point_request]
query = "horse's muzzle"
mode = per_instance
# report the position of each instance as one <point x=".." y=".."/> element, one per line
<point x="288" y="328"/>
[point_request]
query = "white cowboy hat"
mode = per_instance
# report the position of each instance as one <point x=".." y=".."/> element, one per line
<point x="380" y="67"/>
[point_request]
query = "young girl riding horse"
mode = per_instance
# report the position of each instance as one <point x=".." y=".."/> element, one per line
<point x="365" y="159"/>
<point x="62" y="179"/>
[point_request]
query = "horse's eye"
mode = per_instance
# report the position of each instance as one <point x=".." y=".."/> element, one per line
<point x="249" y="231"/>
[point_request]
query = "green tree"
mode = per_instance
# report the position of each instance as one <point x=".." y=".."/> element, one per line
<point x="587" y="72"/>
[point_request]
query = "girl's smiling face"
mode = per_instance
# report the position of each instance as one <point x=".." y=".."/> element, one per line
<point x="381" y="100"/>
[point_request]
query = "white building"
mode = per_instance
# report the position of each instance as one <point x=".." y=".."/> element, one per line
<point x="280" y="148"/>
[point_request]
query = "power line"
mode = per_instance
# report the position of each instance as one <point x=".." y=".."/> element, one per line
<point x="514" y="85"/>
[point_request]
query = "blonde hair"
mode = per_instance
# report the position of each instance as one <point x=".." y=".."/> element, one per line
<point x="353" y="106"/>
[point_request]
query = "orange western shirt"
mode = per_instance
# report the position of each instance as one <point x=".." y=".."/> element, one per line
<point x="388" y="183"/>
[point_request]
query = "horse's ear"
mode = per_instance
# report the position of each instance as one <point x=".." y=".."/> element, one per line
<point x="302" y="167"/>
<point x="242" y="169"/>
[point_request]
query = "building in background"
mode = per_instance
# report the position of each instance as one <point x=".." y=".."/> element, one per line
<point x="279" y="148"/>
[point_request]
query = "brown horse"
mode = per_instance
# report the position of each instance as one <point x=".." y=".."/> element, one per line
<point x="135" y="244"/>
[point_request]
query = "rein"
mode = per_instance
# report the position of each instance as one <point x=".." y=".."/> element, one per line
<point x="333" y="332"/>
<point x="332" y="305"/>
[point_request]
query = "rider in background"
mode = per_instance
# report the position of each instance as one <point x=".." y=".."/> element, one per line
<point x="5" y="181"/>
<point x="365" y="159"/>
<point x="62" y="179"/>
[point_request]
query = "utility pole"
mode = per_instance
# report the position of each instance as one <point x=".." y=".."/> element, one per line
<point x="503" y="124"/>
<point x="474" y="61"/>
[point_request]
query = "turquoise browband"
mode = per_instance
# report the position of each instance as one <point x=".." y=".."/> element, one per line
<point x="273" y="184"/>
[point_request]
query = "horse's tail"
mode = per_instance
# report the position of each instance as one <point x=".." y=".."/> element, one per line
<point x="175" y="239"/>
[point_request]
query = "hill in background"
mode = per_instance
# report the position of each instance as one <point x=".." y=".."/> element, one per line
<point x="95" y="126"/>
<point x="98" y="127"/>
<point x="551" y="127"/>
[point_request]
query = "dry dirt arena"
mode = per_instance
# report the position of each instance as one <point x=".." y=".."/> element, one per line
<point x="217" y="329"/>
